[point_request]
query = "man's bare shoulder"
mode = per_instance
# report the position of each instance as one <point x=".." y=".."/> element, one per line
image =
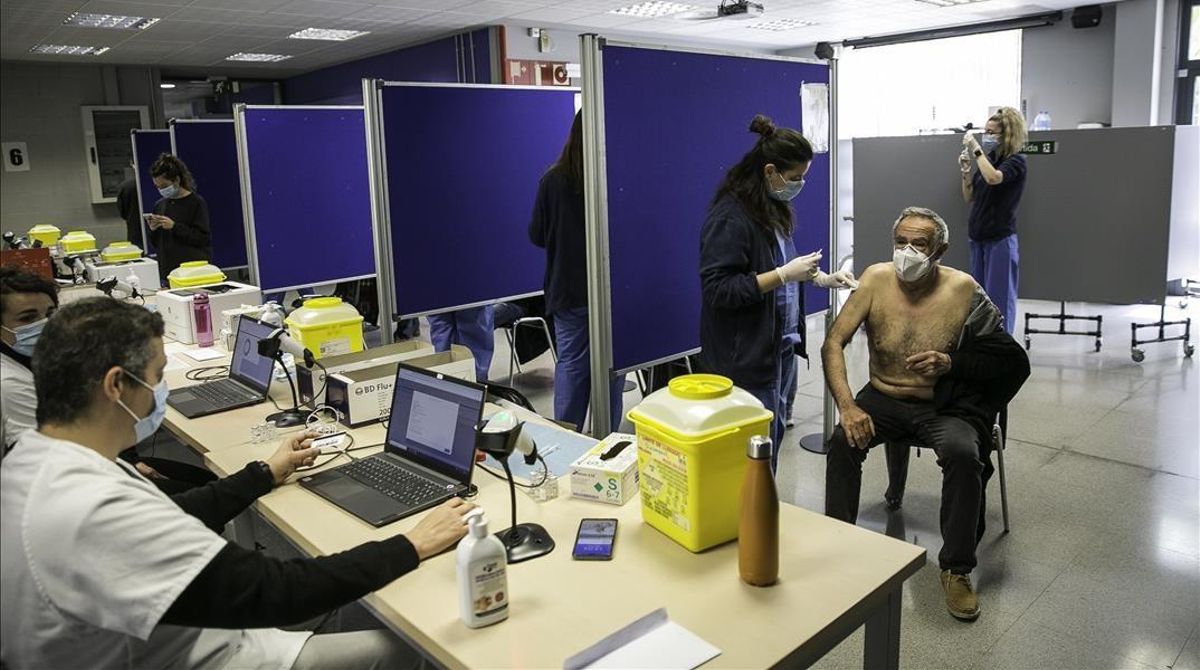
<point x="876" y="275"/>
<point x="959" y="281"/>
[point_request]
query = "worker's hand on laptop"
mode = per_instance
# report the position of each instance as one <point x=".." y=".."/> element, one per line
<point x="441" y="528"/>
<point x="859" y="428"/>
<point x="295" y="451"/>
<point x="929" y="363"/>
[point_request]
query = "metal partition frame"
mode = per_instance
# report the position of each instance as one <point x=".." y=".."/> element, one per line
<point x="596" y="208"/>
<point x="239" y="124"/>
<point x="137" y="175"/>
<point x="171" y="123"/>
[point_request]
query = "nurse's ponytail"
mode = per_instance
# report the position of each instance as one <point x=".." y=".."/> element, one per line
<point x="169" y="167"/>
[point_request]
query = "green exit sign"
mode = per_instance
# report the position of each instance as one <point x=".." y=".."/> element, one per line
<point x="1040" y="148"/>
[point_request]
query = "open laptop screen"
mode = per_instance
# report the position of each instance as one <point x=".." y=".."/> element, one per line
<point x="248" y="366"/>
<point x="433" y="421"/>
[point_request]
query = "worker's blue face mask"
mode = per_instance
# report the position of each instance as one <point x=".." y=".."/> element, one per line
<point x="26" y="337"/>
<point x="148" y="425"/>
<point x="169" y="191"/>
<point x="989" y="143"/>
<point x="790" y="189"/>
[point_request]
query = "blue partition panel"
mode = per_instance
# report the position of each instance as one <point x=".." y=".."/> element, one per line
<point x="209" y="148"/>
<point x="463" y="165"/>
<point x="147" y="146"/>
<point x="309" y="195"/>
<point x="675" y="122"/>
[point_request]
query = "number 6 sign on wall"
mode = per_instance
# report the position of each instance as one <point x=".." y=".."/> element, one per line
<point x="16" y="157"/>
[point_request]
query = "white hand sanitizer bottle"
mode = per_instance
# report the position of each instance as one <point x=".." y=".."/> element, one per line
<point x="482" y="575"/>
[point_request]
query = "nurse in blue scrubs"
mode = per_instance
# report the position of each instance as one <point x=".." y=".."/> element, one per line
<point x="472" y="328"/>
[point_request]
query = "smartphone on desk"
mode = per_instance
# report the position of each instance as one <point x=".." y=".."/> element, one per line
<point x="594" y="540"/>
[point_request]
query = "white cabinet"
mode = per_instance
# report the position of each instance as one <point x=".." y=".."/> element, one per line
<point x="108" y="149"/>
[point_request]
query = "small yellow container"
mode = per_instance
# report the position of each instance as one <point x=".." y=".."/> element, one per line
<point x="692" y="440"/>
<point x="120" y="251"/>
<point x="77" y="242"/>
<point x="195" y="273"/>
<point x="46" y="234"/>
<point x="327" y="327"/>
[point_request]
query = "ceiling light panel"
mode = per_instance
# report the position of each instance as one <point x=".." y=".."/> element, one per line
<point x="329" y="34"/>
<point x="114" y="21"/>
<point x="257" y="58"/>
<point x="778" y="25"/>
<point x="67" y="50"/>
<point x="950" y="3"/>
<point x="653" y="10"/>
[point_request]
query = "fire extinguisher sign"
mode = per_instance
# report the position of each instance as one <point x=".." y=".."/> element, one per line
<point x="16" y="156"/>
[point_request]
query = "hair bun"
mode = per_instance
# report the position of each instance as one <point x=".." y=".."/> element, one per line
<point x="762" y="125"/>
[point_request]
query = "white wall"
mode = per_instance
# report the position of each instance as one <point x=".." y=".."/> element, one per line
<point x="1069" y="71"/>
<point x="1138" y="55"/>
<point x="40" y="107"/>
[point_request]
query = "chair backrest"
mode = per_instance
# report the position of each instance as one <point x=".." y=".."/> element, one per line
<point x="509" y="394"/>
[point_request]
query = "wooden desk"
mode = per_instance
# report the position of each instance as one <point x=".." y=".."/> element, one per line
<point x="834" y="577"/>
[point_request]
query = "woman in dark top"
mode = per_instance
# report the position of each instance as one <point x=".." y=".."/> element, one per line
<point x="994" y="192"/>
<point x="752" y="313"/>
<point x="179" y="226"/>
<point x="558" y="227"/>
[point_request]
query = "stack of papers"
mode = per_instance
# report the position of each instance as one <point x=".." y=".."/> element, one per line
<point x="654" y="641"/>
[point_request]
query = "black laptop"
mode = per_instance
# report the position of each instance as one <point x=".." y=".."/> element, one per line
<point x="248" y="381"/>
<point x="428" y="456"/>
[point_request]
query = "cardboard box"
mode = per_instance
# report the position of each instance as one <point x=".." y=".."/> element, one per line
<point x="362" y="396"/>
<point x="458" y="362"/>
<point x="613" y="481"/>
<point x="175" y="305"/>
<point x="311" y="380"/>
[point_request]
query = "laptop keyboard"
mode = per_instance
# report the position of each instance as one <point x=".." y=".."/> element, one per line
<point x="224" y="392"/>
<point x="394" y="481"/>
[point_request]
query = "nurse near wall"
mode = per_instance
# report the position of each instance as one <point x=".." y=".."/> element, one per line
<point x="751" y="317"/>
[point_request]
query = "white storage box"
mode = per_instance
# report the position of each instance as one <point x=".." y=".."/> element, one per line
<point x="145" y="269"/>
<point x="309" y="381"/>
<point x="175" y="305"/>
<point x="613" y="480"/>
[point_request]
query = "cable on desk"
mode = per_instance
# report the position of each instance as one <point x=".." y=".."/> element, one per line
<point x="207" y="373"/>
<point x="497" y="475"/>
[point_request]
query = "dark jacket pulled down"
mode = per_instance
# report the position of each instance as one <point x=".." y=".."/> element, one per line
<point x="740" y="331"/>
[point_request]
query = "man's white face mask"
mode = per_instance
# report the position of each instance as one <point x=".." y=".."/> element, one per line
<point x="910" y="264"/>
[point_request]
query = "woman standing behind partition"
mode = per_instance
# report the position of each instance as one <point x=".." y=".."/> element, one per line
<point x="179" y="225"/>
<point x="994" y="192"/>
<point x="558" y="227"/>
<point x="751" y="317"/>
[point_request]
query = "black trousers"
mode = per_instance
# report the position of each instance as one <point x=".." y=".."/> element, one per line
<point x="956" y="443"/>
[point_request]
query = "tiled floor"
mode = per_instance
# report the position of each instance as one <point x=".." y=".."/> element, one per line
<point x="1102" y="567"/>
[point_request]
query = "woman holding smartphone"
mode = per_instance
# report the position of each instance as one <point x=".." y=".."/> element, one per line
<point x="179" y="226"/>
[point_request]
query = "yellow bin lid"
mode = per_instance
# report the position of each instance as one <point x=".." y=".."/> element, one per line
<point x="700" y="387"/>
<point x="698" y="407"/>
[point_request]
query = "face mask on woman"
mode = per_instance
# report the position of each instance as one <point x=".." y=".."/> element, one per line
<point x="169" y="191"/>
<point x="989" y="143"/>
<point x="790" y="189"/>
<point x="26" y="337"/>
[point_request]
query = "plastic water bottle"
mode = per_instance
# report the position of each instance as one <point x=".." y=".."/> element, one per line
<point x="202" y="312"/>
<point x="1041" y="121"/>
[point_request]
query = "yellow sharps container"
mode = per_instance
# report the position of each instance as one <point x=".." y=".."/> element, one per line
<point x="195" y="273"/>
<point x="327" y="327"/>
<point x="692" y="440"/>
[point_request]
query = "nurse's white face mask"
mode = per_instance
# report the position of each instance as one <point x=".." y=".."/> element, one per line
<point x="911" y="265"/>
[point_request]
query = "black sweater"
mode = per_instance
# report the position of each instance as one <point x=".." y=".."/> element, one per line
<point x="740" y="333"/>
<point x="240" y="588"/>
<point x="557" y="226"/>
<point x="189" y="240"/>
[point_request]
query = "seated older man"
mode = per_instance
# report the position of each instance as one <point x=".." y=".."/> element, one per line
<point x="941" y="368"/>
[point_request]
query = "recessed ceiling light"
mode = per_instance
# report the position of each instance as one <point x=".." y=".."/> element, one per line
<point x="654" y="9"/>
<point x="86" y="20"/>
<point x="950" y="3"/>
<point x="781" y="24"/>
<point x="67" y="50"/>
<point x="257" y="58"/>
<point x="166" y="84"/>
<point x="330" y="34"/>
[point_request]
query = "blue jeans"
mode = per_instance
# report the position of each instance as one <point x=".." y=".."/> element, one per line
<point x="994" y="266"/>
<point x="472" y="328"/>
<point x="773" y="398"/>
<point x="573" y="373"/>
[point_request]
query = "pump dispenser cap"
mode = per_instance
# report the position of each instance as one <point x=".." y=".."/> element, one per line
<point x="759" y="447"/>
<point x="477" y="523"/>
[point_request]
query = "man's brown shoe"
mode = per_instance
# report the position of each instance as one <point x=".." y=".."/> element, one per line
<point x="960" y="597"/>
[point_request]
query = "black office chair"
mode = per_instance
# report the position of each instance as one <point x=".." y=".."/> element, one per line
<point x="898" y="455"/>
<point x="508" y="394"/>
<point x="524" y="314"/>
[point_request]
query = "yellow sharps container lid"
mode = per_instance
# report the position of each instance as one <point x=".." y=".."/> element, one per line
<point x="700" y="387"/>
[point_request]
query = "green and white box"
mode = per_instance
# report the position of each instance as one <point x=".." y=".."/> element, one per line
<point x="613" y="480"/>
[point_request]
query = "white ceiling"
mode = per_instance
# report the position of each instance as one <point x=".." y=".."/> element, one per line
<point x="197" y="35"/>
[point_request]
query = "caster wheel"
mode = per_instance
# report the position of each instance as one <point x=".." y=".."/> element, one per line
<point x="1028" y="342"/>
<point x="1138" y="355"/>
<point x="1099" y="344"/>
<point x="1189" y="349"/>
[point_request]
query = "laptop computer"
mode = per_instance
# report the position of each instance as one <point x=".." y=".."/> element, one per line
<point x="247" y="384"/>
<point x="428" y="456"/>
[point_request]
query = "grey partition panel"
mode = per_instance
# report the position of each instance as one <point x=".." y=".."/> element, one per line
<point x="1093" y="224"/>
<point x="1183" y="260"/>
